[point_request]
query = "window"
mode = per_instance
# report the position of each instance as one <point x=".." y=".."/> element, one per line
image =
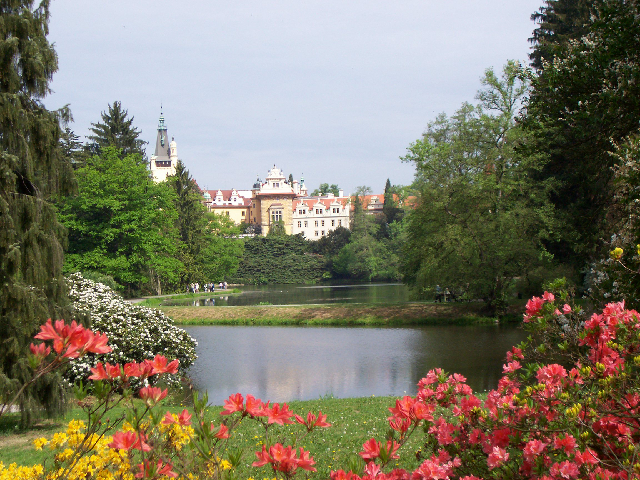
<point x="323" y="223"/>
<point x="336" y="210"/>
<point x="333" y="223"/>
<point x="299" y="224"/>
<point x="340" y="222"/>
<point x="243" y="213"/>
<point x="316" y="233"/>
<point x="227" y="212"/>
<point x="276" y="216"/>
<point x="276" y="185"/>
<point x="300" y="212"/>
<point x="318" y="211"/>
<point x="323" y="233"/>
<point x="306" y="224"/>
<point x="316" y="223"/>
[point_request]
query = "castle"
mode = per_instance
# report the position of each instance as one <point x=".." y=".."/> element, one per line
<point x="276" y="201"/>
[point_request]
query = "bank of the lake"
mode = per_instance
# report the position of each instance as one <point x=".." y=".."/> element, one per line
<point x="334" y="315"/>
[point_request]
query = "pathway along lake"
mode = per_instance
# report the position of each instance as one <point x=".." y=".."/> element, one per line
<point x="303" y="363"/>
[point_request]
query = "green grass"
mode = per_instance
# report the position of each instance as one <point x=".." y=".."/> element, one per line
<point x="155" y="302"/>
<point x="354" y="420"/>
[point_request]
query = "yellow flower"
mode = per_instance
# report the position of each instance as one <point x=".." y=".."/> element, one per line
<point x="616" y="253"/>
<point x="38" y="443"/>
<point x="638" y="248"/>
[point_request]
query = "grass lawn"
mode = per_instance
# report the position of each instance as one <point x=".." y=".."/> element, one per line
<point x="354" y="420"/>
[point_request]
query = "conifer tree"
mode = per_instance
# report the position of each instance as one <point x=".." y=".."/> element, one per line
<point x="32" y="170"/>
<point x="191" y="222"/>
<point x="559" y="21"/>
<point x="116" y="130"/>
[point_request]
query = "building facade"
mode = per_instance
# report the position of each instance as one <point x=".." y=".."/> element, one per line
<point x="315" y="217"/>
<point x="235" y="204"/>
<point x="272" y="202"/>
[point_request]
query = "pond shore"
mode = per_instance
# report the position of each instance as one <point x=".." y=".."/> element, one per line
<point x="346" y="314"/>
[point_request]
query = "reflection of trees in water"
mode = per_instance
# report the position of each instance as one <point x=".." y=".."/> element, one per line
<point x="286" y="363"/>
<point x="477" y="352"/>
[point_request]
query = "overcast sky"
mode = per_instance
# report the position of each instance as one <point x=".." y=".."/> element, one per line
<point x="330" y="90"/>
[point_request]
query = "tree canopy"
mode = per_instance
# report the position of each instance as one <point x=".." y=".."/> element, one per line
<point x="324" y="189"/>
<point x="122" y="223"/>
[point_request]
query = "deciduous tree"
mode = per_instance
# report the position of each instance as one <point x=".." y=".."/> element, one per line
<point x="122" y="224"/>
<point x="479" y="222"/>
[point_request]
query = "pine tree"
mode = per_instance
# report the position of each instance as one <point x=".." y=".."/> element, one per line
<point x="558" y="22"/>
<point x="191" y="223"/>
<point x="32" y="170"/>
<point x="71" y="148"/>
<point x="118" y="131"/>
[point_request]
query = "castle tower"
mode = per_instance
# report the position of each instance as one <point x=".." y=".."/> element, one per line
<point x="163" y="162"/>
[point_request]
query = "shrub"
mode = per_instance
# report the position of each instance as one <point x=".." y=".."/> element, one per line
<point x="134" y="332"/>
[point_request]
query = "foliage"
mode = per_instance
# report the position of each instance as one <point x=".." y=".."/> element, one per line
<point x="559" y="22"/>
<point x="479" y="222"/>
<point x="32" y="172"/>
<point x="134" y="332"/>
<point x="392" y="212"/>
<point x="278" y="259"/>
<point x="122" y="224"/>
<point x="325" y="188"/>
<point x="116" y="130"/>
<point x="582" y="104"/>
<point x="223" y="250"/>
<point x="366" y="257"/>
<point x="71" y="148"/>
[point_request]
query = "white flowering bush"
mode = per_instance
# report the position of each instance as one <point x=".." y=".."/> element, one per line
<point x="135" y="333"/>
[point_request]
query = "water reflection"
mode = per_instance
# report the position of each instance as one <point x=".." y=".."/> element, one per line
<point x="304" y="294"/>
<point x="287" y="363"/>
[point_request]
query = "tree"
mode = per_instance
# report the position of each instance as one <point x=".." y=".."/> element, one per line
<point x="116" y="130"/>
<point x="122" y="224"/>
<point x="324" y="189"/>
<point x="559" y="22"/>
<point x="580" y="107"/>
<point x="479" y="222"/>
<point x="390" y="207"/>
<point x="72" y="148"/>
<point x="357" y="213"/>
<point x="223" y="249"/>
<point x="191" y="223"/>
<point x="32" y="172"/>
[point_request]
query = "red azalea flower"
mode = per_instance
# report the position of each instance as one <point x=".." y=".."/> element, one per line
<point x="312" y="421"/>
<point x="40" y="350"/>
<point x="152" y="395"/>
<point x="159" y="365"/>
<point x="233" y="404"/>
<point x="279" y="415"/>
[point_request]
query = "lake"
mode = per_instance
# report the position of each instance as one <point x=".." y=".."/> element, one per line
<point x="303" y="295"/>
<point x="302" y="363"/>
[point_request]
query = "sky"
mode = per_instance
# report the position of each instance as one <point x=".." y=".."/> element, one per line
<point x="329" y="91"/>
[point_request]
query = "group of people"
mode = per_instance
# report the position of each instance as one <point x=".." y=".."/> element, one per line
<point x="207" y="287"/>
<point x="445" y="295"/>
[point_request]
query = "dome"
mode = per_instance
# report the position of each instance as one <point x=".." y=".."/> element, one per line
<point x="207" y="196"/>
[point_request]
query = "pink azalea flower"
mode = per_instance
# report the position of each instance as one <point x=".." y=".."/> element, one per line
<point x="497" y="457"/>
